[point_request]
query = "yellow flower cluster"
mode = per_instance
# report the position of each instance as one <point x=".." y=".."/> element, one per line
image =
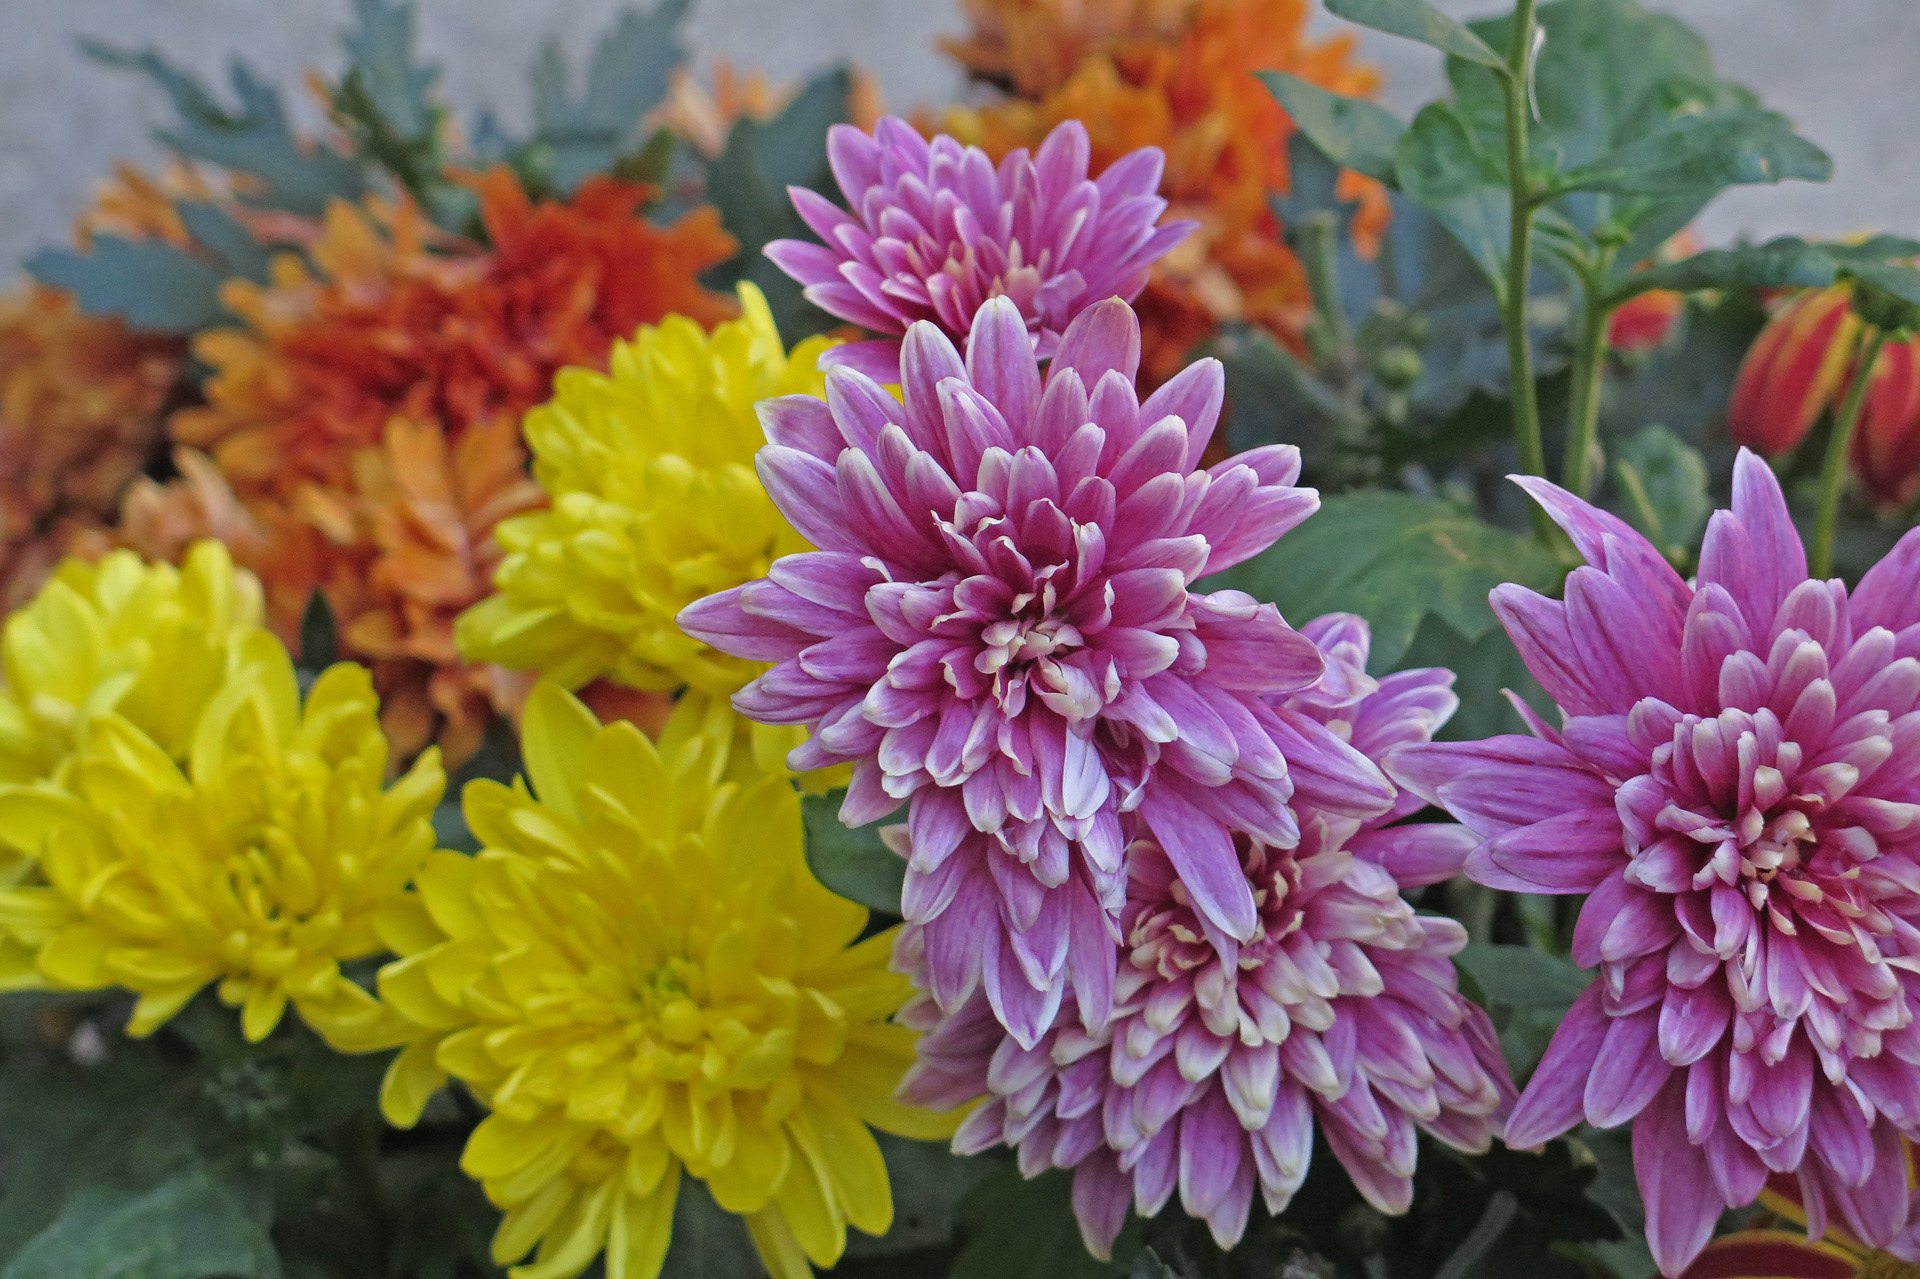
<point x="641" y="979"/>
<point x="204" y="827"/>
<point x="655" y="504"/>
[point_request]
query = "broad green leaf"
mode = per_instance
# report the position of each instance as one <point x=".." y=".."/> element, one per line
<point x="1392" y="558"/>
<point x="1783" y="262"/>
<point x="294" y="174"/>
<point x="1418" y="20"/>
<point x="748" y="184"/>
<point x="1526" y="993"/>
<point x="1442" y="167"/>
<point x="627" y="76"/>
<point x="191" y="1226"/>
<point x="853" y="863"/>
<point x="1665" y="483"/>
<point x="1484" y="670"/>
<point x="1736" y="147"/>
<point x="1149" y="1266"/>
<point x="1026" y="1230"/>
<point x="929" y="1183"/>
<point x="153" y="285"/>
<point x="1898" y="279"/>
<point x="1352" y="132"/>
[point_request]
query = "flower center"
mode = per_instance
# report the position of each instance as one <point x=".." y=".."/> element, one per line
<point x="1024" y="639"/>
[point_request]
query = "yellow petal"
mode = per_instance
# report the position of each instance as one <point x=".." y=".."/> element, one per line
<point x="641" y="1229"/>
<point x="556" y="734"/>
<point x="843" y="1150"/>
<point x="779" y="1251"/>
<point x="411" y="1080"/>
<point x="576" y="1237"/>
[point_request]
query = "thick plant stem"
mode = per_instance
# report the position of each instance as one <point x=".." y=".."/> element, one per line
<point x="1833" y="474"/>
<point x="1526" y="403"/>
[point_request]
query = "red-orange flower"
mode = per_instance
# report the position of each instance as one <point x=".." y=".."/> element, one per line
<point x="1178" y="76"/>
<point x="1778" y="1247"/>
<point x="1644" y="321"/>
<point x="80" y="401"/>
<point x="1886" y="443"/>
<point x="1793" y="370"/>
<point x="366" y="415"/>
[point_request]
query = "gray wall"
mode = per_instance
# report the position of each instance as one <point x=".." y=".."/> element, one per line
<point x="1849" y="70"/>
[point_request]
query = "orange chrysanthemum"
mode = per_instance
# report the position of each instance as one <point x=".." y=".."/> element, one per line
<point x="366" y="415"/>
<point x="1193" y="94"/>
<point x="80" y="402"/>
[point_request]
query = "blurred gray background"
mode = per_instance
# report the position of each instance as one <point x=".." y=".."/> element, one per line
<point x="1848" y="70"/>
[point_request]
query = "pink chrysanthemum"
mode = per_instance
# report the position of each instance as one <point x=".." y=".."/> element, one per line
<point x="998" y="625"/>
<point x="935" y="230"/>
<point x="1341" y="1012"/>
<point x="1737" y="785"/>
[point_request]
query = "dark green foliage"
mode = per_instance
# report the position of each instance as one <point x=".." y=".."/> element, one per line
<point x="853" y="863"/>
<point x="579" y="134"/>
<point x="193" y="1225"/>
<point x="748" y="184"/>
<point x="1019" y="1229"/>
<point x="1393" y="558"/>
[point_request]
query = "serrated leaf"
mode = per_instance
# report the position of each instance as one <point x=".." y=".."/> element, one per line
<point x="853" y="863"/>
<point x="1709" y="151"/>
<point x="191" y="1226"/>
<point x="627" y="76"/>
<point x="257" y="139"/>
<point x="1442" y="167"/>
<point x="1024" y="1229"/>
<point x="380" y="51"/>
<point x="748" y="183"/>
<point x="1392" y="558"/>
<point x="227" y="238"/>
<point x="1418" y="20"/>
<point x="1665" y="482"/>
<point x="1352" y="132"/>
<point x="155" y="286"/>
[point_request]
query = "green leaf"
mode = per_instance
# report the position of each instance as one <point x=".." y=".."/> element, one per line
<point x="1352" y="132"/>
<point x="155" y="286"/>
<point x="191" y="1226"/>
<point x="385" y="103"/>
<point x="1665" y="482"/>
<point x="319" y="633"/>
<point x="1710" y="151"/>
<point x="299" y="176"/>
<point x="1149" y="1266"/>
<point x="708" y="1241"/>
<point x="748" y="183"/>
<point x="852" y="863"/>
<point x="1392" y="558"/>
<point x="627" y="77"/>
<point x="1781" y="263"/>
<point x="1484" y="670"/>
<point x="1026" y="1230"/>
<point x="1418" y="20"/>
<point x="929" y="1184"/>
<point x="1522" y="977"/>
<point x="1442" y="167"/>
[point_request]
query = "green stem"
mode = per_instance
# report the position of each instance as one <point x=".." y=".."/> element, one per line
<point x="1526" y="403"/>
<point x="1320" y="235"/>
<point x="1583" y="413"/>
<point x="1493" y="1223"/>
<point x="1833" y="473"/>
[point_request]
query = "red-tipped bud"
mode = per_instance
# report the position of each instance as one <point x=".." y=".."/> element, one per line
<point x="1793" y="371"/>
<point x="1886" y="442"/>
<point x="1644" y="322"/>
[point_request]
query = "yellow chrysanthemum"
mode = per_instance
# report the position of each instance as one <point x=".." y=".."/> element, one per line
<point x="262" y="866"/>
<point x="640" y="978"/>
<point x="655" y="504"/>
<point x="150" y="642"/>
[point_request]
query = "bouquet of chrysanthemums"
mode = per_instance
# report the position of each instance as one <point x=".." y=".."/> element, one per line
<point x="724" y="683"/>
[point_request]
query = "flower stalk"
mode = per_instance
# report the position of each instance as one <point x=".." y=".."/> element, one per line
<point x="1526" y="404"/>
<point x="1833" y="471"/>
<point x="1589" y="372"/>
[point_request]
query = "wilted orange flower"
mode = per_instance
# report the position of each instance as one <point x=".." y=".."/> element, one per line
<point x="366" y="415"/>
<point x="1145" y="78"/>
<point x="80" y="401"/>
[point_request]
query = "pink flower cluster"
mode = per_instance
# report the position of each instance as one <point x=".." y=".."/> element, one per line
<point x="1736" y="788"/>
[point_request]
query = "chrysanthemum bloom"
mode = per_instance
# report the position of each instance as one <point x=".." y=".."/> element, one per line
<point x="1777" y="1247"/>
<point x="259" y="868"/>
<point x="1033" y="46"/>
<point x="649" y="468"/>
<point x="1189" y="90"/>
<point x="1737" y="787"/>
<point x="1794" y="370"/>
<point x="1645" y="321"/>
<point x="150" y="642"/>
<point x="998" y="625"/>
<point x="935" y="230"/>
<point x="1341" y="1013"/>
<point x="640" y="979"/>
<point x="397" y="323"/>
<point x="80" y="401"/>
